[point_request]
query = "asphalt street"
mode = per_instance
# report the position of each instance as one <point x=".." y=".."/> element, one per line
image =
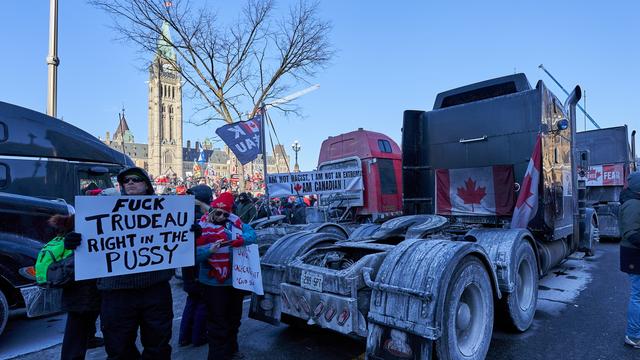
<point x="581" y="315"/>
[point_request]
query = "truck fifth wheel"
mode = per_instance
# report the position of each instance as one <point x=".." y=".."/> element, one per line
<point x="425" y="284"/>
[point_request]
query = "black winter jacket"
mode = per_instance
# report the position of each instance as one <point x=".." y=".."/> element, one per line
<point x="77" y="296"/>
<point x="629" y="222"/>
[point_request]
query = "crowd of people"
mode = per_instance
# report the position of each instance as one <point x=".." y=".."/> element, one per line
<point x="142" y="302"/>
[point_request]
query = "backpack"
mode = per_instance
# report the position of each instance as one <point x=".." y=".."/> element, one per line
<point x="52" y="252"/>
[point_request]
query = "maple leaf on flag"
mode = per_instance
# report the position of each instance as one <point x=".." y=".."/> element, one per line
<point x="297" y="187"/>
<point x="594" y="174"/>
<point x="526" y="189"/>
<point x="470" y="194"/>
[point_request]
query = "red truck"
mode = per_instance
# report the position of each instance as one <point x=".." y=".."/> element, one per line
<point x="380" y="159"/>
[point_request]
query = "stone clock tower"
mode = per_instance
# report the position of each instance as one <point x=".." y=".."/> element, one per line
<point x="165" y="112"/>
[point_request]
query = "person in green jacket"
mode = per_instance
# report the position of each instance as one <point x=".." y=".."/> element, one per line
<point x="629" y="222"/>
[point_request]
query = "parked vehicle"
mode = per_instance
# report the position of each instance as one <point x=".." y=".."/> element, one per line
<point x="426" y="283"/>
<point x="611" y="160"/>
<point x="380" y="159"/>
<point x="339" y="213"/>
<point x="48" y="158"/>
<point x="44" y="164"/>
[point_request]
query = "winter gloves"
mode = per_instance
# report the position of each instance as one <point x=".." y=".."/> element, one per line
<point x="197" y="230"/>
<point x="72" y="240"/>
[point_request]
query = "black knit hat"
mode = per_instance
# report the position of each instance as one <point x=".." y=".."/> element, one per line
<point x="138" y="172"/>
<point x="202" y="193"/>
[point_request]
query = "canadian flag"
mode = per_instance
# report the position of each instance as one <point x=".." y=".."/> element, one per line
<point x="475" y="191"/>
<point x="252" y="125"/>
<point x="527" y="204"/>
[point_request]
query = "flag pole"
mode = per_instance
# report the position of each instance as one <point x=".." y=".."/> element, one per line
<point x="263" y="148"/>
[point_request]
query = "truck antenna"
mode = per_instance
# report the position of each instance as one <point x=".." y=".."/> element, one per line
<point x="567" y="93"/>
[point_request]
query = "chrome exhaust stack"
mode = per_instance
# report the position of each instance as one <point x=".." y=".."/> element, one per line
<point x="634" y="164"/>
<point x="570" y="104"/>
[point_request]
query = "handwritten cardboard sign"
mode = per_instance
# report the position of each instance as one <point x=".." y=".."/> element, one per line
<point x="246" y="274"/>
<point x="133" y="234"/>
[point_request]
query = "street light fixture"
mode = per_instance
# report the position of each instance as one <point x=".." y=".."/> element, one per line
<point x="296" y="147"/>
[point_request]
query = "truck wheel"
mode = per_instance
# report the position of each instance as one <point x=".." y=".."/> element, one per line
<point x="4" y="311"/>
<point x="519" y="306"/>
<point x="468" y="313"/>
<point x="594" y="238"/>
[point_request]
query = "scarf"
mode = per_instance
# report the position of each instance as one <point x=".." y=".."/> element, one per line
<point x="220" y="261"/>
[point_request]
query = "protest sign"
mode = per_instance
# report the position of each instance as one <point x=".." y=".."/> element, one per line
<point x="246" y="274"/>
<point x="133" y="234"/>
<point x="315" y="182"/>
<point x="605" y="175"/>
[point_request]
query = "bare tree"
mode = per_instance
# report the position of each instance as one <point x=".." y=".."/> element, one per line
<point x="232" y="67"/>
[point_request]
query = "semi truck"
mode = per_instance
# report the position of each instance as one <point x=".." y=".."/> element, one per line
<point x="431" y="282"/>
<point x="611" y="159"/>
<point x="44" y="164"/>
<point x="341" y="212"/>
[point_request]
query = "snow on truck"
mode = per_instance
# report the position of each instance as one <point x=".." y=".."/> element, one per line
<point x="610" y="160"/>
<point x="369" y="168"/>
<point x="426" y="283"/>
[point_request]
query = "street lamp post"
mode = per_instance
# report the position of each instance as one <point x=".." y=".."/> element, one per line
<point x="296" y="147"/>
<point x="52" y="60"/>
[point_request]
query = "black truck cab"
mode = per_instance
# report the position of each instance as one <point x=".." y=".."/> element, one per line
<point x="44" y="164"/>
<point x="45" y="157"/>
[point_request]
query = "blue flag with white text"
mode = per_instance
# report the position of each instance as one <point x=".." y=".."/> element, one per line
<point x="243" y="138"/>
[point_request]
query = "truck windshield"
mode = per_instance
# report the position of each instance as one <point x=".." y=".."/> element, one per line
<point x="351" y="163"/>
<point x="91" y="181"/>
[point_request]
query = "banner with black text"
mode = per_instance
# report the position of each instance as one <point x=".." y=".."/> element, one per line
<point x="315" y="182"/>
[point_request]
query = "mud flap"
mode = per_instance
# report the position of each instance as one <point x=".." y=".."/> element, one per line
<point x="408" y="296"/>
<point x="265" y="308"/>
<point x="383" y="344"/>
<point x="500" y="245"/>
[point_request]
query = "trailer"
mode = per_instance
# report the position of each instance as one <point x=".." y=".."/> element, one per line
<point x="430" y="283"/>
<point x="611" y="160"/>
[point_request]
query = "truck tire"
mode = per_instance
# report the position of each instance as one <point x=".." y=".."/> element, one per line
<point x="519" y="306"/>
<point x="4" y="311"/>
<point x="468" y="313"/>
<point x="594" y="238"/>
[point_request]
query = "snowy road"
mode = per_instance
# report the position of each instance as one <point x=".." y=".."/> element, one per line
<point x="580" y="316"/>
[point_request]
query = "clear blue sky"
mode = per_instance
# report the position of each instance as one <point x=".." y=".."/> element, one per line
<point x="391" y="56"/>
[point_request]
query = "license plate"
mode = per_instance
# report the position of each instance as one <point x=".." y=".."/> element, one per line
<point x="311" y="281"/>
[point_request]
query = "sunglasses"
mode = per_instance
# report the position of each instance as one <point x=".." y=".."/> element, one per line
<point x="221" y="213"/>
<point x="134" y="179"/>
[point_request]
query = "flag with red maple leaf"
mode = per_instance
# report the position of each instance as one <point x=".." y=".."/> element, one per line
<point x="471" y="194"/>
<point x="475" y="191"/>
<point x="527" y="204"/>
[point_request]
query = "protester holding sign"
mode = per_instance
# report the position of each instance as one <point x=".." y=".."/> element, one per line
<point x="80" y="299"/>
<point x="221" y="230"/>
<point x="140" y="300"/>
